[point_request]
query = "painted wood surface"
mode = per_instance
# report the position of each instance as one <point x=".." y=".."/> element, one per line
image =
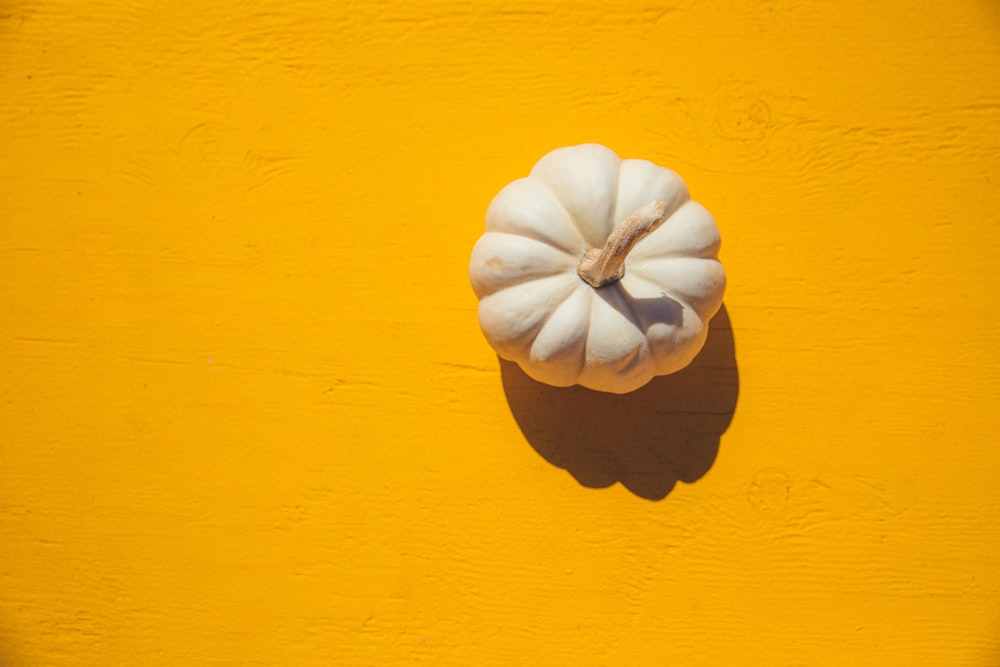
<point x="247" y="416"/>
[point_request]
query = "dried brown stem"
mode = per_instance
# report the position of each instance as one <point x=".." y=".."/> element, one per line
<point x="602" y="266"/>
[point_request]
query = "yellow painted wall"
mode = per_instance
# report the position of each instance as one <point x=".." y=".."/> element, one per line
<point x="247" y="416"/>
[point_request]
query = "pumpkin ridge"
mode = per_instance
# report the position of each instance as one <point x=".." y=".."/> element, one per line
<point x="524" y="283"/>
<point x="641" y="267"/>
<point x="569" y="213"/>
<point x="499" y="261"/>
<point x="609" y="223"/>
<point x="693" y="301"/>
<point x="630" y="314"/>
<point x="582" y="360"/>
<point x="581" y="239"/>
<point x="642" y="187"/>
<point x="586" y="339"/>
<point x="572" y="246"/>
<point x="633" y="359"/>
<point x="570" y="255"/>
<point x="664" y="291"/>
<point x="528" y="335"/>
<point x="675" y="231"/>
<point x="614" y="204"/>
<point x="618" y="302"/>
<point x="586" y="336"/>
<point x="540" y="239"/>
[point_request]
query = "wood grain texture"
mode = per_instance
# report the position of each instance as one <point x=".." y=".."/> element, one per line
<point x="238" y="426"/>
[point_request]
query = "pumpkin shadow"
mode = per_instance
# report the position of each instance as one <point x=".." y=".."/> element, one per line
<point x="648" y="440"/>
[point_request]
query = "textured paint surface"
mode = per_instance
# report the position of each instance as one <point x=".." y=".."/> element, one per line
<point x="247" y="416"/>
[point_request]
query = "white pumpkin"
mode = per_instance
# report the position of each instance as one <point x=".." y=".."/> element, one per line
<point x="597" y="271"/>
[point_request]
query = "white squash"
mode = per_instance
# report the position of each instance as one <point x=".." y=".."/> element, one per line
<point x="597" y="271"/>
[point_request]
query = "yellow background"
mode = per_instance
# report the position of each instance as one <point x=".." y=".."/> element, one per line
<point x="247" y="416"/>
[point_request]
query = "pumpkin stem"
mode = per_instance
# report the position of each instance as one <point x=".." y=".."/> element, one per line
<point x="602" y="266"/>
